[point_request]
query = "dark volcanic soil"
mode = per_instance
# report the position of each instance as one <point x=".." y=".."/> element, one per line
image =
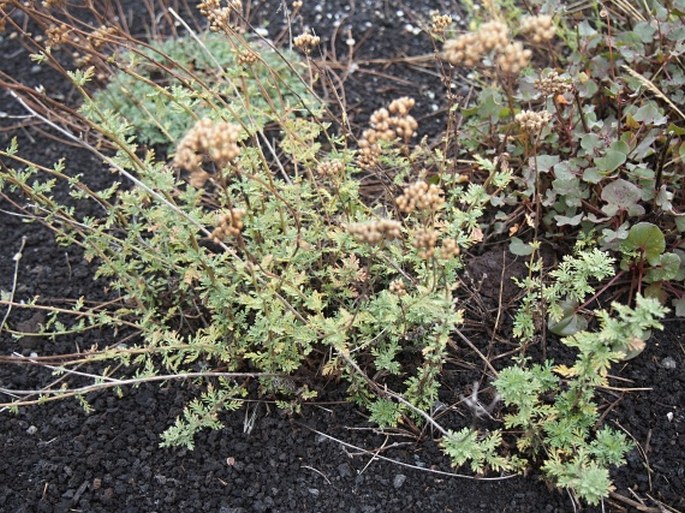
<point x="57" y="458"/>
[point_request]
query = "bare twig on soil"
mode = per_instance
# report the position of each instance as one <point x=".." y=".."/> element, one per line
<point x="17" y="259"/>
<point x="407" y="465"/>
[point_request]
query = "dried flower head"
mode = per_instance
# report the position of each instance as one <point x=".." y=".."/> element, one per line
<point x="228" y="225"/>
<point x="397" y="287"/>
<point x="493" y="35"/>
<point x="532" y="122"/>
<point x="220" y="17"/>
<point x="247" y="58"/>
<point x="514" y="58"/>
<point x="217" y="140"/>
<point x="440" y="22"/>
<point x="306" y="42"/>
<point x="449" y="249"/>
<point x="206" y="7"/>
<point x="99" y="37"/>
<point x="387" y="125"/>
<point x="538" y="29"/>
<point x="420" y="196"/>
<point x="552" y="84"/>
<point x="425" y="241"/>
<point x="331" y="168"/>
<point x="468" y="49"/>
<point x="376" y="231"/>
<point x="57" y="35"/>
<point x="464" y="50"/>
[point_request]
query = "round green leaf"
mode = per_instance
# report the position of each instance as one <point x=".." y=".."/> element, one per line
<point x="519" y="248"/>
<point x="611" y="161"/>
<point x="649" y="239"/>
<point x="620" y="195"/>
<point x="664" y="269"/>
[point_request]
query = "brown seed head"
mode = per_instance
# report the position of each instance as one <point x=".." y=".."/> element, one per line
<point x="397" y="287"/>
<point x="331" y="168"/>
<point x="532" y="122"/>
<point x="552" y="84"/>
<point x="440" y="22"/>
<point x="425" y="240"/>
<point x="376" y="231"/>
<point x="513" y="58"/>
<point x="217" y="141"/>
<point x="449" y="249"/>
<point x="538" y="29"/>
<point x="228" y="225"/>
<point x="420" y="196"/>
<point x="306" y="42"/>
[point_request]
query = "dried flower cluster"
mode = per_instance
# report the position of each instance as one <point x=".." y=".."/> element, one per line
<point x="375" y="231"/>
<point x="331" y="168"/>
<point x="306" y="42"/>
<point x="425" y="241"/>
<point x="538" y="29"/>
<point x="247" y="58"/>
<point x="492" y="36"/>
<point x="387" y="125"/>
<point x="468" y="49"/>
<point x="420" y="196"/>
<point x="219" y="17"/>
<point x="99" y="37"/>
<point x="216" y="140"/>
<point x="552" y="84"/>
<point x="228" y="225"/>
<point x="397" y="287"/>
<point x="57" y="35"/>
<point x="531" y="121"/>
<point x="514" y="58"/>
<point x="449" y="249"/>
<point x="440" y="22"/>
<point x="464" y="50"/>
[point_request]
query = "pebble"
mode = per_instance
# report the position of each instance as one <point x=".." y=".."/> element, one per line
<point x="32" y="430"/>
<point x="399" y="481"/>
<point x="344" y="470"/>
<point x="314" y="491"/>
<point x="668" y="363"/>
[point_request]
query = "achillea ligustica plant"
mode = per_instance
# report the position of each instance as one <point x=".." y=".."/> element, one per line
<point x="245" y="251"/>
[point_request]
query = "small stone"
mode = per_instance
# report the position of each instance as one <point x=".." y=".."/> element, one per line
<point x="669" y="416"/>
<point x="314" y="491"/>
<point x="399" y="480"/>
<point x="32" y="430"/>
<point x="668" y="363"/>
<point x="344" y="470"/>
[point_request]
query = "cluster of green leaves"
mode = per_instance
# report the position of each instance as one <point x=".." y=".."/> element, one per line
<point x="162" y="88"/>
<point x="558" y="418"/>
<point x="295" y="288"/>
<point x="608" y="164"/>
<point x="604" y="173"/>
